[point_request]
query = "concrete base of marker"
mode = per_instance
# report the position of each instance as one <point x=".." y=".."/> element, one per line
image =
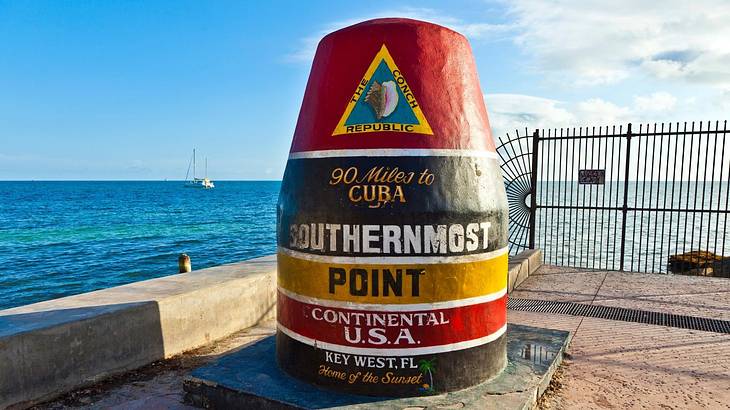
<point x="250" y="378"/>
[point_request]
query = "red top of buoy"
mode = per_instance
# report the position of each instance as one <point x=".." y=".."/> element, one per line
<point x="393" y="83"/>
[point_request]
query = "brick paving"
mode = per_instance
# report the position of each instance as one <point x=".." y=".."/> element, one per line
<point x="618" y="365"/>
<point x="610" y="364"/>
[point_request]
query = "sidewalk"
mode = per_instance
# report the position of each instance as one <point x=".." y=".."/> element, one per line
<point x="617" y="364"/>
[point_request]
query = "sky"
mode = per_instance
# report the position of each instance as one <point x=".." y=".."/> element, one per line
<point x="123" y="90"/>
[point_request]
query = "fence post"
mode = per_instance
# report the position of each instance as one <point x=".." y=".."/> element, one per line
<point x="533" y="187"/>
<point x="625" y="209"/>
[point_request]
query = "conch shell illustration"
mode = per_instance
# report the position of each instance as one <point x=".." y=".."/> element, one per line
<point x="383" y="98"/>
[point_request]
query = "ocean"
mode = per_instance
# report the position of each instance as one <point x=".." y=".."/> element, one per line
<point x="64" y="238"/>
<point x="664" y="218"/>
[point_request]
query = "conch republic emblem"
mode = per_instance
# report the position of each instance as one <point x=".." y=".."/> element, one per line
<point x="383" y="102"/>
<point x="392" y="218"/>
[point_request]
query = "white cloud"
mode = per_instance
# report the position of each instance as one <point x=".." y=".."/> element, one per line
<point x="602" y="41"/>
<point x="664" y="69"/>
<point x="478" y="30"/>
<point x="656" y="102"/>
<point x="510" y="112"/>
<point x="596" y="111"/>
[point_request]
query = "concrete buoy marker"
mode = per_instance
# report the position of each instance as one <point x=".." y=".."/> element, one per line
<point x="392" y="218"/>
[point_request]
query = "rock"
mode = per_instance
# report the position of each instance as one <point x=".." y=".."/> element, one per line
<point x="700" y="263"/>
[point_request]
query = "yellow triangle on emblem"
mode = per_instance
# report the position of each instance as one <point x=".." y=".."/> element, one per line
<point x="383" y="102"/>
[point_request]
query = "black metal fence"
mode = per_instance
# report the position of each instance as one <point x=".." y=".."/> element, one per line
<point x="621" y="197"/>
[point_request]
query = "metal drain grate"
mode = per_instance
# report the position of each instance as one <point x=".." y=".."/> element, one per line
<point x="623" y="314"/>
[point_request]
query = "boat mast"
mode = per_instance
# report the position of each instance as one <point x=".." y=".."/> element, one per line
<point x="187" y="173"/>
<point x="206" y="167"/>
<point x="193" y="163"/>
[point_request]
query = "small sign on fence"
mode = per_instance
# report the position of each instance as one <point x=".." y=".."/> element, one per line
<point x="591" y="176"/>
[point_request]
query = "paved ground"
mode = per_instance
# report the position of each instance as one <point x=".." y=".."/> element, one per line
<point x="620" y="365"/>
<point x="612" y="364"/>
<point x="157" y="386"/>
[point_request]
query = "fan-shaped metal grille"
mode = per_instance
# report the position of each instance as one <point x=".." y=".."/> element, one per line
<point x="516" y="157"/>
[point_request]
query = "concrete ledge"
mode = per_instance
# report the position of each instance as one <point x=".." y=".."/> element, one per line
<point x="52" y="347"/>
<point x="521" y="266"/>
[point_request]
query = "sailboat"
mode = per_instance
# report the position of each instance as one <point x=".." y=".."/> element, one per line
<point x="195" y="182"/>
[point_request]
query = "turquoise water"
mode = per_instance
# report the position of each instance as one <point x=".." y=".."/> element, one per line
<point x="64" y="238"/>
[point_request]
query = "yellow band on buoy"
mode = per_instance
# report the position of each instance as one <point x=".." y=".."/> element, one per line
<point x="393" y="280"/>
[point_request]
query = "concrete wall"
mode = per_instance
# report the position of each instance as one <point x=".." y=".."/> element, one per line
<point x="52" y="347"/>
<point x="521" y="266"/>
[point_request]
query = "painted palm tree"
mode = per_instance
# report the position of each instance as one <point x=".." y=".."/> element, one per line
<point x="429" y="366"/>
